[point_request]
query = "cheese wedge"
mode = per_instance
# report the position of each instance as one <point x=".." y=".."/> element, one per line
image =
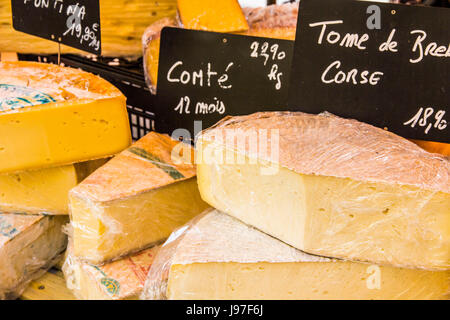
<point x="135" y="200"/>
<point x="275" y="21"/>
<point x="43" y="191"/>
<point x="119" y="280"/>
<point x="219" y="16"/>
<point x="330" y="186"/>
<point x="217" y="257"/>
<point x="29" y="245"/>
<point x="52" y="116"/>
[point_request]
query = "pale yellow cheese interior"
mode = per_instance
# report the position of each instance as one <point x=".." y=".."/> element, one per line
<point x="303" y="280"/>
<point x="334" y="217"/>
<point x="104" y="231"/>
<point x="44" y="191"/>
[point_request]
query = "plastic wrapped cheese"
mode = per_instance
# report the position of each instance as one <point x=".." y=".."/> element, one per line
<point x="52" y="116"/>
<point x="330" y="186"/>
<point x="29" y="245"/>
<point x="216" y="256"/>
<point x="275" y="21"/>
<point x="44" y="191"/>
<point x="135" y="200"/>
<point x="119" y="280"/>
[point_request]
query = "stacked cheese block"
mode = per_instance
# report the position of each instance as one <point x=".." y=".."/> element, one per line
<point x="57" y="126"/>
<point x="317" y="207"/>
<point x="125" y="208"/>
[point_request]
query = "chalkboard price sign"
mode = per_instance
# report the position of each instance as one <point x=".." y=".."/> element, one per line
<point x="384" y="64"/>
<point x="75" y="23"/>
<point x="204" y="76"/>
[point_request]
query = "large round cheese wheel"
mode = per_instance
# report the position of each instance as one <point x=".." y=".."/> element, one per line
<point x="51" y="115"/>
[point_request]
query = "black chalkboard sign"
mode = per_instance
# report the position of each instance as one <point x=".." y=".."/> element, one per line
<point x="384" y="64"/>
<point x="75" y="23"/>
<point x="204" y="76"/>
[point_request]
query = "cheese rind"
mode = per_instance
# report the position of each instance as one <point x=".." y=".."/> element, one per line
<point x="218" y="257"/>
<point x="44" y="191"/>
<point x="274" y="21"/>
<point x="339" y="188"/>
<point x="114" y="214"/>
<point x="29" y="245"/>
<point x="53" y="116"/>
<point x="218" y="16"/>
<point x="119" y="280"/>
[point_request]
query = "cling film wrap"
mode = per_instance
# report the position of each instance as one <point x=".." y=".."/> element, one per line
<point x="29" y="246"/>
<point x="349" y="190"/>
<point x="135" y="200"/>
<point x="269" y="269"/>
<point x="275" y="21"/>
<point x="53" y="116"/>
<point x="119" y="280"/>
<point x="328" y="145"/>
<point x="215" y="237"/>
<point x="43" y="191"/>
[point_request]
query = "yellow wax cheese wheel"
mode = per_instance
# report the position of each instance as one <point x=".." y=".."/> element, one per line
<point x="51" y="116"/>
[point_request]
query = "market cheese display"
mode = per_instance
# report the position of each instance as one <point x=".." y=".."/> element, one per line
<point x="330" y="186"/>
<point x="218" y="16"/>
<point x="275" y="21"/>
<point x="135" y="200"/>
<point x="29" y="245"/>
<point x="218" y="257"/>
<point x="44" y="191"/>
<point x="122" y="25"/>
<point x="51" y="116"/>
<point x="119" y="280"/>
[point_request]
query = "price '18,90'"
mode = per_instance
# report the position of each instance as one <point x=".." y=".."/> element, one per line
<point x="428" y="118"/>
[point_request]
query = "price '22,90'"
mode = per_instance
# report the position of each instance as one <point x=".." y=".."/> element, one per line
<point x="269" y="52"/>
<point x="428" y="118"/>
